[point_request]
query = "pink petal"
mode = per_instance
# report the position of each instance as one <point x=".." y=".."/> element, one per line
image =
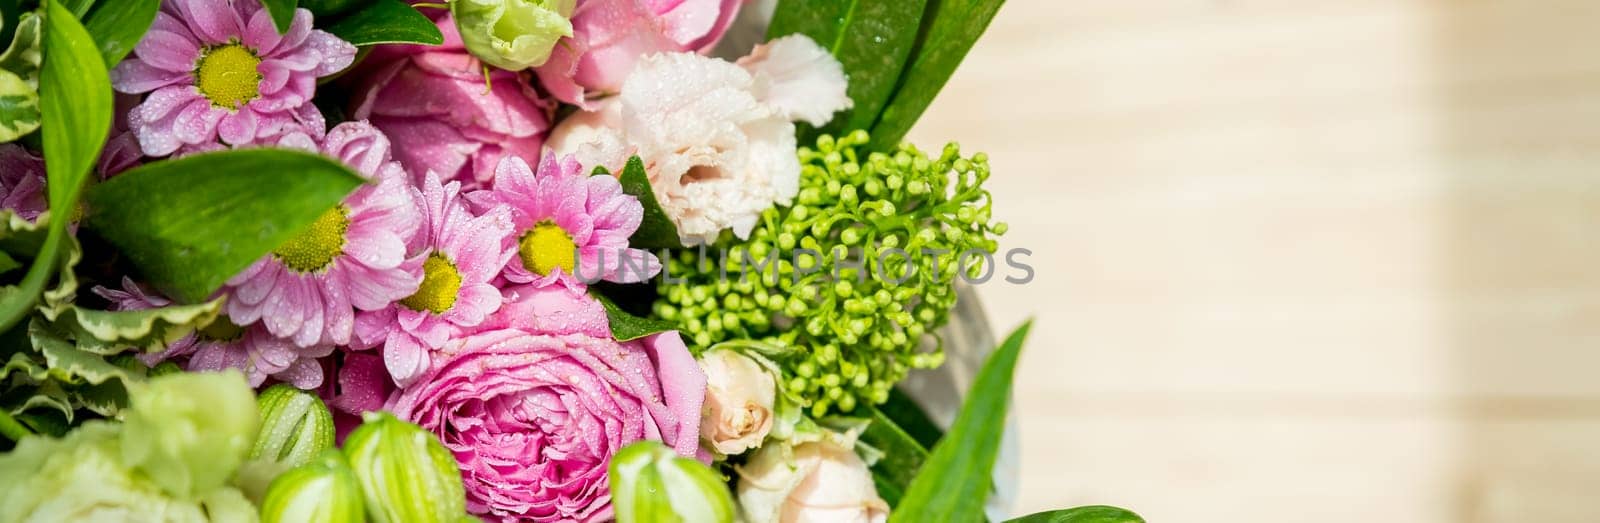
<point x="197" y="123"/>
<point x="135" y="76"/>
<point x="238" y="127"/>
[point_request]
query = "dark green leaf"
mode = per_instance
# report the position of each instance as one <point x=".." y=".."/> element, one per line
<point x="910" y="417"/>
<point x="1091" y="514"/>
<point x="7" y="263"/>
<point x="78" y="8"/>
<point x="656" y="231"/>
<point x="190" y="224"/>
<point x="328" y="8"/>
<point x="118" y="25"/>
<point x="282" y="12"/>
<point x="387" y="22"/>
<point x="950" y="28"/>
<point x="902" y="456"/>
<point x="955" y="481"/>
<point x="872" y="40"/>
<point x="76" y="108"/>
<point x="627" y="327"/>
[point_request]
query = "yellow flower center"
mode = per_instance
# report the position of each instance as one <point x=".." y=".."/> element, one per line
<point x="440" y="284"/>
<point x="316" y="246"/>
<point x="221" y="329"/>
<point x="227" y="76"/>
<point x="546" y="247"/>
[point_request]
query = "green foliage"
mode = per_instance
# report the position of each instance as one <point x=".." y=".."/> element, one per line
<point x="956" y="479"/>
<point x="386" y="22"/>
<point x="656" y="229"/>
<point x="627" y="327"/>
<point x="188" y="230"/>
<point x="118" y="25"/>
<point x="902" y="456"/>
<point x="19" y="79"/>
<point x="949" y="30"/>
<point x="859" y="271"/>
<point x="282" y="12"/>
<point x="76" y="112"/>
<point x="871" y="38"/>
<point x="1090" y="514"/>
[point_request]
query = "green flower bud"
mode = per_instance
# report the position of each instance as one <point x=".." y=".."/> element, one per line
<point x="650" y="483"/>
<point x="323" y="490"/>
<point x="295" y="426"/>
<point x="405" y="474"/>
<point x="512" y="34"/>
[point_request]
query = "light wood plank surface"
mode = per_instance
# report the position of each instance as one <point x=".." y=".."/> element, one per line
<point x="1299" y="260"/>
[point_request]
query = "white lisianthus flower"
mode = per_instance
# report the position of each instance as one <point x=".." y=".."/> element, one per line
<point x="717" y="138"/>
<point x="820" y="481"/>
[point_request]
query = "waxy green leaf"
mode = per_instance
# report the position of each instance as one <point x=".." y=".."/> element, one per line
<point x="282" y="12"/>
<point x="656" y="230"/>
<point x="76" y="111"/>
<point x="626" y="326"/>
<point x="955" y="481"/>
<point x="902" y="457"/>
<point x="386" y="22"/>
<point x="949" y="29"/>
<point x="872" y="40"/>
<point x="19" y="79"/>
<point x="190" y="224"/>
<point x="117" y="26"/>
<point x="1090" y="514"/>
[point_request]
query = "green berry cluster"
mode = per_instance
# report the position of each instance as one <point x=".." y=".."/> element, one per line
<point x="855" y="275"/>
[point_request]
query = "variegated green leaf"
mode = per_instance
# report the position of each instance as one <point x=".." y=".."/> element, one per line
<point x="19" y="107"/>
<point x="148" y="330"/>
<point x="23" y="56"/>
<point x="72" y="365"/>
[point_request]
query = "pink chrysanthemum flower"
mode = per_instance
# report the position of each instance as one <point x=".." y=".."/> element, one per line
<point x="355" y="256"/>
<point x="570" y="228"/>
<point x="219" y="69"/>
<point x="223" y="345"/>
<point x="462" y="253"/>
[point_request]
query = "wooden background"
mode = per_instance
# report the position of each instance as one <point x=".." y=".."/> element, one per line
<point x="1299" y="260"/>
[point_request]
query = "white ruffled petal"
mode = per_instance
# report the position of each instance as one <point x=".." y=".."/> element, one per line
<point x="798" y="79"/>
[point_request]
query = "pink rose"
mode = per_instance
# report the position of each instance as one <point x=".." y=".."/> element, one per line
<point x="608" y="36"/>
<point x="534" y="418"/>
<point x="433" y="104"/>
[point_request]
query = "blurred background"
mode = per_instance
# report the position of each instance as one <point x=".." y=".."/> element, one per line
<point x="1308" y="261"/>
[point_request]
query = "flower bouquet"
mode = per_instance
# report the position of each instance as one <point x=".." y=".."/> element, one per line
<point x="512" y="260"/>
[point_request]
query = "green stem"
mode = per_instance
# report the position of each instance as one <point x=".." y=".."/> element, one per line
<point x="10" y="428"/>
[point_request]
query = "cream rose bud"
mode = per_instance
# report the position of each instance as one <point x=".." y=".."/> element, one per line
<point x="737" y="413"/>
<point x="822" y="481"/>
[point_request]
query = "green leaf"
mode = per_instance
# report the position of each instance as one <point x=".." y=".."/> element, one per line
<point x="902" y="456"/>
<point x="190" y="224"/>
<point x="78" y="8"/>
<point x="1090" y="514"/>
<point x="950" y="28"/>
<point x="71" y="365"/>
<point x="19" y="80"/>
<point x="954" y="483"/>
<point x="872" y="40"/>
<point x="386" y="22"/>
<point x="19" y="107"/>
<point x="117" y="26"/>
<point x="282" y="12"/>
<point x="627" y="327"/>
<point x="76" y="109"/>
<point x="909" y="416"/>
<point x="148" y="330"/>
<point x="656" y="231"/>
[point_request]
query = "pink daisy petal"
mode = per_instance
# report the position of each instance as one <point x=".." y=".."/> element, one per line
<point x="238" y="127"/>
